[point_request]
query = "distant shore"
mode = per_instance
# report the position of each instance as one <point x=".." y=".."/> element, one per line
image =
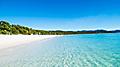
<point x="7" y="41"/>
<point x="10" y="29"/>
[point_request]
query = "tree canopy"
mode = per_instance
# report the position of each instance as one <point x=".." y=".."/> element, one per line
<point x="11" y="29"/>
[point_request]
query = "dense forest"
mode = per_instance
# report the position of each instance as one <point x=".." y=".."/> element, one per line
<point x="11" y="29"/>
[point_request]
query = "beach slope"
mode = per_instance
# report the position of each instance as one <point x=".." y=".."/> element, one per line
<point x="14" y="40"/>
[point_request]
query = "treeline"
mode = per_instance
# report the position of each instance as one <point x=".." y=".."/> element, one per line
<point x="11" y="29"/>
<point x="7" y="28"/>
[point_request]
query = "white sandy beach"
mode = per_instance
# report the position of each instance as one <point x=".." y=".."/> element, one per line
<point x="13" y="40"/>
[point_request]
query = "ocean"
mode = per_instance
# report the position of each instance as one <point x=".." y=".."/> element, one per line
<point x="84" y="50"/>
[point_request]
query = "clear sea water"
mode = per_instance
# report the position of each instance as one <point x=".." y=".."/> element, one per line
<point x="89" y="50"/>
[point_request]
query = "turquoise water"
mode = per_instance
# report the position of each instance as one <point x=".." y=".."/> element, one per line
<point x="90" y="50"/>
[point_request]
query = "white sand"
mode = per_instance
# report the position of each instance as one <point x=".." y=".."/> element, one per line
<point x="13" y="40"/>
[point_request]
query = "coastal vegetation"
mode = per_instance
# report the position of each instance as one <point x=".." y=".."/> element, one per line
<point x="11" y="29"/>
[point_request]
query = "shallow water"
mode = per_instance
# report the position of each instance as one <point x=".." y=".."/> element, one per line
<point x="90" y="50"/>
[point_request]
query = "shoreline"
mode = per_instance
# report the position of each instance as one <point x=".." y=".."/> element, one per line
<point x="7" y="41"/>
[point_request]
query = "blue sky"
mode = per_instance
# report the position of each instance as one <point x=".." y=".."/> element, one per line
<point x="62" y="14"/>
